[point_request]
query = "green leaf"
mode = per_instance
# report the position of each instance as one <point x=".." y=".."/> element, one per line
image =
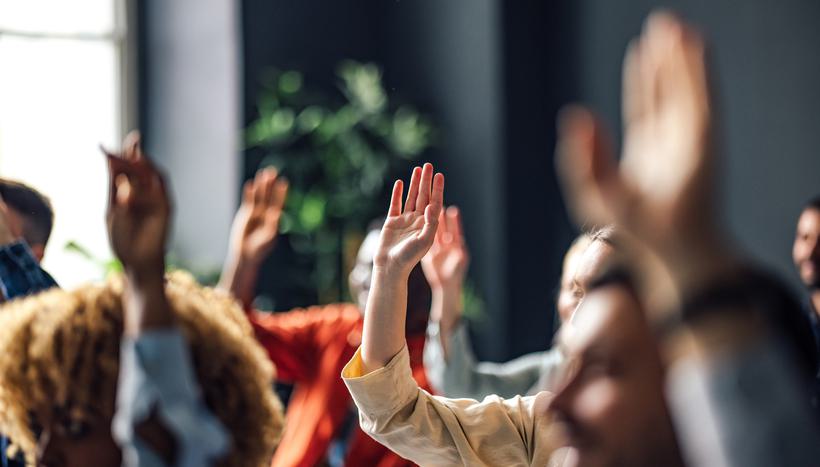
<point x="290" y="82"/>
<point x="312" y="212"/>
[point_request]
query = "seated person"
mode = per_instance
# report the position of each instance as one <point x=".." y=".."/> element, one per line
<point x="310" y="347"/>
<point x="708" y="313"/>
<point x="448" y="356"/>
<point x="193" y="389"/>
<point x="27" y="220"/>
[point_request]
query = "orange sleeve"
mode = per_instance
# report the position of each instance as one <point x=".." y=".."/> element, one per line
<point x="292" y="339"/>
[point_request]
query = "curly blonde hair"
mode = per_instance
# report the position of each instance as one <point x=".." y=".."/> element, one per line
<point x="60" y="350"/>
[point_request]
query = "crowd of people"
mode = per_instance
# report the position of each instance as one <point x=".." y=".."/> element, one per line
<point x="674" y="349"/>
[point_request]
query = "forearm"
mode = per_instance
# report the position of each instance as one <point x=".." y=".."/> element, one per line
<point x="146" y="305"/>
<point x="445" y="310"/>
<point x="239" y="279"/>
<point x="384" y="319"/>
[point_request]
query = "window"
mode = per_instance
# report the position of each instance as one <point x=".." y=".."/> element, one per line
<point x="62" y="94"/>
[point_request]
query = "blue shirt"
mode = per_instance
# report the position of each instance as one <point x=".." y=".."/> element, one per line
<point x="156" y="376"/>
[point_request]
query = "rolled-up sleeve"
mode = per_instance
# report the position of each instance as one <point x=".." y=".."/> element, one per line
<point x="157" y="378"/>
<point x="436" y="431"/>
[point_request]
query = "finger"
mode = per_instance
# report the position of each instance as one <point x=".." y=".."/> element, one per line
<point x="247" y="192"/>
<point x="424" y="187"/>
<point x="124" y="191"/>
<point x="433" y="210"/>
<point x="454" y="224"/>
<point x="443" y="228"/>
<point x="633" y="105"/>
<point x="413" y="190"/>
<point x="395" y="199"/>
<point x="258" y="189"/>
<point x="131" y="146"/>
<point x="437" y="195"/>
<point x="116" y="167"/>
<point x="581" y="162"/>
<point x="280" y="194"/>
<point x="268" y="185"/>
<point x="431" y="224"/>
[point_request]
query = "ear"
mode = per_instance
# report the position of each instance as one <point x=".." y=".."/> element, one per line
<point x="39" y="251"/>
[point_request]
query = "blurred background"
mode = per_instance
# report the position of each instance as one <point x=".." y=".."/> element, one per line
<point x="345" y="96"/>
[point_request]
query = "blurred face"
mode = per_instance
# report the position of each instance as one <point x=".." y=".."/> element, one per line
<point x="15" y="221"/>
<point x="612" y="404"/>
<point x="69" y="441"/>
<point x="578" y="273"/>
<point x="806" y="251"/>
<point x="566" y="302"/>
<point x="359" y="279"/>
<point x="418" y="290"/>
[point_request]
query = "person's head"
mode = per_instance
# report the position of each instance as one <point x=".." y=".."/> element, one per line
<point x="583" y="262"/>
<point x="29" y="213"/>
<point x="59" y="364"/>
<point x="806" y="249"/>
<point x="419" y="294"/>
<point x="612" y="404"/>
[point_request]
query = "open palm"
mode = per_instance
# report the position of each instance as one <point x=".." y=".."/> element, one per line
<point x="409" y="232"/>
<point x="256" y="223"/>
<point x="663" y="189"/>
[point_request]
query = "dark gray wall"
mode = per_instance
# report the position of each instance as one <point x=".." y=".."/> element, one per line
<point x="767" y="64"/>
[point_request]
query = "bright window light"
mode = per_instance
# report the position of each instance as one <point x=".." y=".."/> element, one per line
<point x="60" y="89"/>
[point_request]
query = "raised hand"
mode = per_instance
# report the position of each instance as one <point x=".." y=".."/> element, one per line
<point x="253" y="233"/>
<point x="408" y="233"/>
<point x="663" y="191"/>
<point x="445" y="265"/>
<point x="256" y="223"/>
<point x="138" y="209"/>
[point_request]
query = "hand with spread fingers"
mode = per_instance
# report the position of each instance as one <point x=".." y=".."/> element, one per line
<point x="663" y="191"/>
<point x="253" y="233"/>
<point x="407" y="235"/>
<point x="256" y="223"/>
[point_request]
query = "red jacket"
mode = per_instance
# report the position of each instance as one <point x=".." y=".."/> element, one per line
<point x="309" y="348"/>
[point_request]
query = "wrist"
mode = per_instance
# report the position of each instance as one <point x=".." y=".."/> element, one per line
<point x="146" y="275"/>
<point x="390" y="275"/>
<point x="447" y="306"/>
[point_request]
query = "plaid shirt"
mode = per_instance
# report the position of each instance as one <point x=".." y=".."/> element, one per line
<point x="20" y="275"/>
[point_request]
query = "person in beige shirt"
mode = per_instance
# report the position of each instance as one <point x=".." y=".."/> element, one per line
<point x="710" y="325"/>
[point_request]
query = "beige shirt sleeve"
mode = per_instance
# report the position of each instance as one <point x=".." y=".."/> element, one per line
<point x="436" y="431"/>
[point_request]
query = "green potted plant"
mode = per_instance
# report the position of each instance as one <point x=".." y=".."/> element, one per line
<point x="339" y="153"/>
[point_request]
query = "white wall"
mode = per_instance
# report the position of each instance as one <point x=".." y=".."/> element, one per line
<point x="192" y="117"/>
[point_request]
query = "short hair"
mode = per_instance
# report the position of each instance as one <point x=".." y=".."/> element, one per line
<point x="60" y="350"/>
<point x="813" y="203"/>
<point x="33" y="206"/>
